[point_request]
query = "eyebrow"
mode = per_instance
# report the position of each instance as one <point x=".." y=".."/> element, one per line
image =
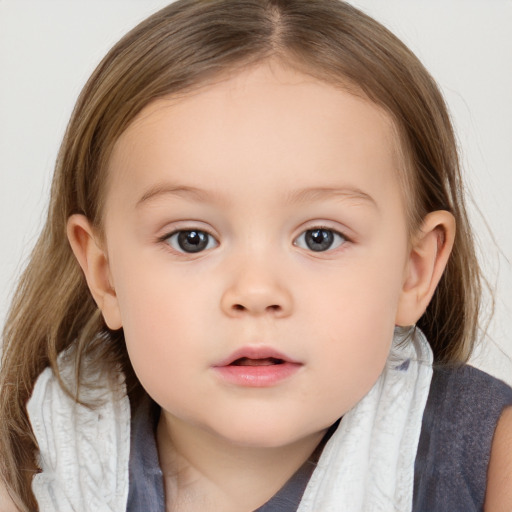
<point x="294" y="197"/>
<point x="162" y="189"/>
<point x="322" y="193"/>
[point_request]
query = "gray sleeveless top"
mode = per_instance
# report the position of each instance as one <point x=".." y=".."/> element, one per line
<point x="450" y="472"/>
<point x="463" y="408"/>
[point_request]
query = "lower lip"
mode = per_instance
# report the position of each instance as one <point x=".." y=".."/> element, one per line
<point x="257" y="376"/>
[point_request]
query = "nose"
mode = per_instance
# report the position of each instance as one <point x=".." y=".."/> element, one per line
<point x="256" y="289"/>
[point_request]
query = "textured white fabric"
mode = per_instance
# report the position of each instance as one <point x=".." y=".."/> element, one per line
<point x="84" y="452"/>
<point x="367" y="465"/>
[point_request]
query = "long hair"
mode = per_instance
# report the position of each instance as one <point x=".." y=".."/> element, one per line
<point x="181" y="47"/>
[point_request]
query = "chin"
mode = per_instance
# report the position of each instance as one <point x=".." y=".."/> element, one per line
<point x="266" y="434"/>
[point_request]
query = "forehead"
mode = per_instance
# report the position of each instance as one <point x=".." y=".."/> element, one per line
<point x="267" y="127"/>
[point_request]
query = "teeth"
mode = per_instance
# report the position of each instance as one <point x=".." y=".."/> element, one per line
<point x="267" y="361"/>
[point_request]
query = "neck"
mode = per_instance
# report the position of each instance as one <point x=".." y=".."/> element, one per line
<point x="205" y="472"/>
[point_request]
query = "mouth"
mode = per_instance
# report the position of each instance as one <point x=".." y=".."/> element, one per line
<point x="256" y="367"/>
<point x="266" y="361"/>
<point x="256" y="356"/>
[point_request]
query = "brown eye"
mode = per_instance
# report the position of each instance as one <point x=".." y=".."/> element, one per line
<point x="320" y="239"/>
<point x="191" y="241"/>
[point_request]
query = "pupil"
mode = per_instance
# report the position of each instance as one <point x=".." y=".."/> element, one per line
<point x="192" y="241"/>
<point x="319" y="239"/>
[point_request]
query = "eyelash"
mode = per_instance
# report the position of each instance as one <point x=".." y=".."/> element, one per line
<point x="334" y="232"/>
<point x="205" y="239"/>
<point x="176" y="234"/>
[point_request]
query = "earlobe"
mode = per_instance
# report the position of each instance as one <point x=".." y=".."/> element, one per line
<point x="93" y="260"/>
<point x="427" y="260"/>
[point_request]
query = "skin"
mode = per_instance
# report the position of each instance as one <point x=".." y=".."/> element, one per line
<point x="256" y="161"/>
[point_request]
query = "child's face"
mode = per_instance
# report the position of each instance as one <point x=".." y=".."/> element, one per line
<point x="290" y="242"/>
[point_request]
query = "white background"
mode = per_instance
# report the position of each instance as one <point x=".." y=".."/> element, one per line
<point x="48" y="48"/>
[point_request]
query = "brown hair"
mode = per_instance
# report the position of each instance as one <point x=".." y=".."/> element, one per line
<point x="180" y="47"/>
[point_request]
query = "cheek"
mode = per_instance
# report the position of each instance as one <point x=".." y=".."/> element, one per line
<point x="361" y="295"/>
<point x="159" y="308"/>
<point x="350" y="357"/>
<point x="352" y="325"/>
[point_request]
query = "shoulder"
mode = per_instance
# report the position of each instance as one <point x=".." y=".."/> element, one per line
<point x="459" y="422"/>
<point x="499" y="478"/>
<point x="464" y="405"/>
<point x="467" y="397"/>
<point x="465" y="379"/>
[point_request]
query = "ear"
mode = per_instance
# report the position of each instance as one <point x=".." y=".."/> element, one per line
<point x="428" y="257"/>
<point x="93" y="259"/>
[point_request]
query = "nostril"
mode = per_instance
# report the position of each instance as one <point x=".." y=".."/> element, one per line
<point x="273" y="307"/>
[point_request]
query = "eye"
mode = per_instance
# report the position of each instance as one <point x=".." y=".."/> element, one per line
<point x="319" y="239"/>
<point x="191" y="241"/>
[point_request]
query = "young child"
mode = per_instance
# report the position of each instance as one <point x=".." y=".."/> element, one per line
<point x="256" y="224"/>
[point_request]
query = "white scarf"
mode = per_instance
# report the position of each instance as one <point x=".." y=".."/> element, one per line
<point x="366" y="466"/>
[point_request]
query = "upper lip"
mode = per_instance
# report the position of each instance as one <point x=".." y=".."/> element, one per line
<point x="255" y="352"/>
